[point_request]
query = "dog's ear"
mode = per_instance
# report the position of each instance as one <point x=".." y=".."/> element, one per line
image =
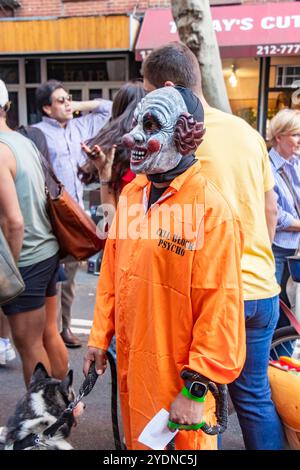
<point x="39" y="373"/>
<point x="67" y="382"/>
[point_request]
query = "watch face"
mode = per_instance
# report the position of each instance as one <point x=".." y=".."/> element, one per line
<point x="198" y="389"/>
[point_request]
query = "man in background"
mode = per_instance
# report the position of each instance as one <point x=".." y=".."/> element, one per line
<point x="235" y="158"/>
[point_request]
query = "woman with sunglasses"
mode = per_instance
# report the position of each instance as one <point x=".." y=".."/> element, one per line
<point x="284" y="136"/>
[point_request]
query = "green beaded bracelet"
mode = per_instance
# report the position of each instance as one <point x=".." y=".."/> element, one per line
<point x="185" y="427"/>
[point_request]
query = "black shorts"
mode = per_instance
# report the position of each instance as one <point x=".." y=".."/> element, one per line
<point x="40" y="282"/>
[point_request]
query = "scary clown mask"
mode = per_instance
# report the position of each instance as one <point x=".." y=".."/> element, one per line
<point x="168" y="125"/>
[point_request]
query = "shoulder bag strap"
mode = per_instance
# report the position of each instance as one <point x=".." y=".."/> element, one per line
<point x="287" y="180"/>
<point x="49" y="169"/>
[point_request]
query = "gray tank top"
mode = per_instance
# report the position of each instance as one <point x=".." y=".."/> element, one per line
<point x="39" y="241"/>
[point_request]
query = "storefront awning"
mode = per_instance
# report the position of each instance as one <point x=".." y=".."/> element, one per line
<point x="76" y="34"/>
<point x="242" y="31"/>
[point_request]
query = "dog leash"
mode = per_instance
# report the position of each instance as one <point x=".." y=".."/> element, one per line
<point x="85" y="389"/>
<point x="111" y="356"/>
<point x="67" y="414"/>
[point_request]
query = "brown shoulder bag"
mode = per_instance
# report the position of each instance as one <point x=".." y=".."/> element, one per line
<point x="75" y="231"/>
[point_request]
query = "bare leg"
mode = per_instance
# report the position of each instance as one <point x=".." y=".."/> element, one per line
<point x="53" y="343"/>
<point x="27" y="332"/>
<point x="4" y="326"/>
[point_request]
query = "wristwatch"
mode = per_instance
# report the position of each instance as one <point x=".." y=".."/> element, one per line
<point x="196" y="388"/>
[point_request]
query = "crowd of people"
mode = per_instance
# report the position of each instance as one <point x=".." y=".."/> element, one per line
<point x="194" y="293"/>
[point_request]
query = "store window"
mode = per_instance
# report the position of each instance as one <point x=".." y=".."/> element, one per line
<point x="242" y="80"/>
<point x="33" y="115"/>
<point x="9" y="72"/>
<point x="87" y="70"/>
<point x="13" y="113"/>
<point x="33" y="71"/>
<point x="284" y="80"/>
<point x="95" y="93"/>
<point x="286" y="75"/>
<point x="86" y="78"/>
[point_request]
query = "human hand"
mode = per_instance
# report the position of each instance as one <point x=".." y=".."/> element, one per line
<point x="85" y="106"/>
<point x="183" y="410"/>
<point x="96" y="355"/>
<point x="102" y="162"/>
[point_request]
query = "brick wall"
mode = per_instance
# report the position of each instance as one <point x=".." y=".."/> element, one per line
<point x="84" y="7"/>
<point x="39" y="8"/>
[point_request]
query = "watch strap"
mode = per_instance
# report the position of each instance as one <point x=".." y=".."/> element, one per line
<point x="187" y="394"/>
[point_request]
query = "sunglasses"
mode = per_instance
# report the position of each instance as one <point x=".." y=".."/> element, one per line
<point x="7" y="106"/>
<point x="63" y="99"/>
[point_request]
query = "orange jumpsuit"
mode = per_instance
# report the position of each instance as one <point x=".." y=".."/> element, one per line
<point x="173" y="301"/>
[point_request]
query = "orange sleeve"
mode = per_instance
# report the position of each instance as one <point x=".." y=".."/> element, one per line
<point x="103" y="327"/>
<point x="218" y="345"/>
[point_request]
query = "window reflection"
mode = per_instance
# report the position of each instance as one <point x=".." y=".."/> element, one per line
<point x="87" y="70"/>
<point x="33" y="71"/>
<point x="9" y="72"/>
<point x="13" y="113"/>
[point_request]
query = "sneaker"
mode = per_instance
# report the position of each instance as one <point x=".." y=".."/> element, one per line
<point x="2" y="352"/>
<point x="3" y="434"/>
<point x="10" y="353"/>
<point x="7" y="352"/>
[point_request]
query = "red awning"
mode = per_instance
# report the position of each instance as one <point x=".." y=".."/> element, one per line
<point x="242" y="31"/>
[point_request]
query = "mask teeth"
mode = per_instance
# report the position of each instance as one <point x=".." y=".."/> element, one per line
<point x="138" y="154"/>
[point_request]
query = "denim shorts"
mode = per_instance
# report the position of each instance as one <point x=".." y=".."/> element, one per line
<point x="40" y="282"/>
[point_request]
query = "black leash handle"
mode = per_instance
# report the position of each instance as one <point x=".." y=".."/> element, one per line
<point x="89" y="382"/>
<point x="219" y="392"/>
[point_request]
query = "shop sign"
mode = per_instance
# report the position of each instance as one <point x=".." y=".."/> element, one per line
<point x="268" y="29"/>
<point x="278" y="49"/>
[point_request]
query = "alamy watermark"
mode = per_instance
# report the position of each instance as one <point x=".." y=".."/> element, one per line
<point x="174" y="226"/>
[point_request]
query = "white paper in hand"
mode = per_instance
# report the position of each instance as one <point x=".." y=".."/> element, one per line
<point x="156" y="434"/>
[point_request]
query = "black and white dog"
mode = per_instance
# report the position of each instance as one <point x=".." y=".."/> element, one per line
<point x="44" y="402"/>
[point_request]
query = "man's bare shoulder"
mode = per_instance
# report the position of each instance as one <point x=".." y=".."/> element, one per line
<point x="6" y="156"/>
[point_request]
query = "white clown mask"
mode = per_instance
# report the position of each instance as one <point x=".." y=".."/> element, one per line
<point x="151" y="141"/>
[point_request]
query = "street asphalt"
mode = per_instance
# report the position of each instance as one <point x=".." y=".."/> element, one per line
<point x="94" y="429"/>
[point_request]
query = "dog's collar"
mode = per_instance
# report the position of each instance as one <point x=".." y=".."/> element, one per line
<point x="32" y="440"/>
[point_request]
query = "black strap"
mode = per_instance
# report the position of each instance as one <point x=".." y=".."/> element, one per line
<point x="111" y="356"/>
<point x="49" y="169"/>
<point x="65" y="417"/>
<point x="29" y="441"/>
<point x="89" y="381"/>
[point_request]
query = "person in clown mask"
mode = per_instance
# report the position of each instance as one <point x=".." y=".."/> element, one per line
<point x="170" y="283"/>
